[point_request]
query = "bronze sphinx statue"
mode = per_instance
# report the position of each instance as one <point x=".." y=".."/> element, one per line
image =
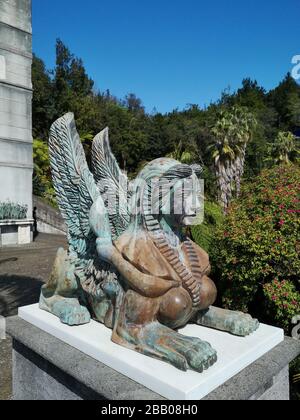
<point x="129" y="264"/>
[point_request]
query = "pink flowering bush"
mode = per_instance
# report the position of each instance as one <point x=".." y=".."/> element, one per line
<point x="282" y="301"/>
<point x="260" y="242"/>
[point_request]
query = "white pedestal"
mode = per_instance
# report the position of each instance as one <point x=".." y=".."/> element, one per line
<point x="234" y="354"/>
<point x="15" y="232"/>
<point x="24" y="234"/>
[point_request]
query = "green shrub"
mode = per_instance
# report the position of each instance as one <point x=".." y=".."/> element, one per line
<point x="13" y="211"/>
<point x="282" y="301"/>
<point x="260" y="242"/>
<point x="42" y="181"/>
<point x="205" y="235"/>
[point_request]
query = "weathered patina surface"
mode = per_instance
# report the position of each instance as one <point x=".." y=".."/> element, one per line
<point x="129" y="265"/>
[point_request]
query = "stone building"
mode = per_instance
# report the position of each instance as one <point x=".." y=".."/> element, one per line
<point x="16" y="164"/>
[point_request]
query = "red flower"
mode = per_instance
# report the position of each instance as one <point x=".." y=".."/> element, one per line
<point x="282" y="222"/>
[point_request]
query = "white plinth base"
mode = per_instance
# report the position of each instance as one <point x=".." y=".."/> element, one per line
<point x="234" y="354"/>
<point x="15" y="232"/>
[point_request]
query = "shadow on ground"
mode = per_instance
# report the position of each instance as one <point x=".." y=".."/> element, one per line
<point x="17" y="291"/>
<point x="7" y="260"/>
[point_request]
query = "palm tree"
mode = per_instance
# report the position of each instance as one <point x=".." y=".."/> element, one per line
<point x="232" y="132"/>
<point x="244" y="123"/>
<point x="284" y="146"/>
<point x="224" y="155"/>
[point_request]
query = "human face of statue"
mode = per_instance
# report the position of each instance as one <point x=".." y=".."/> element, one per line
<point x="191" y="210"/>
<point x="184" y="203"/>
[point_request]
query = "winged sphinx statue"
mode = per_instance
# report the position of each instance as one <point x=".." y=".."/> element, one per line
<point x="129" y="265"/>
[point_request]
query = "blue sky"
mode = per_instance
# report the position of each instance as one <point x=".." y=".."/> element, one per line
<point x="172" y="53"/>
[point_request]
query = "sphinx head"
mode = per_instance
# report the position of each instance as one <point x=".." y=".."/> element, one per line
<point x="172" y="191"/>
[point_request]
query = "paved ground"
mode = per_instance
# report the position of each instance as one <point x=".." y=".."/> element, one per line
<point x="23" y="270"/>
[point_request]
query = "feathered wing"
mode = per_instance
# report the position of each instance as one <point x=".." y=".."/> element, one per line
<point x="76" y="191"/>
<point x="112" y="184"/>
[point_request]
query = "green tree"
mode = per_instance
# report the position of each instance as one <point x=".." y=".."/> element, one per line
<point x="285" y="99"/>
<point x="254" y="98"/>
<point x="284" y="147"/>
<point x="138" y="137"/>
<point x="133" y="103"/>
<point x="42" y="184"/>
<point x="293" y="109"/>
<point x="72" y="86"/>
<point x="187" y="156"/>
<point x="43" y="105"/>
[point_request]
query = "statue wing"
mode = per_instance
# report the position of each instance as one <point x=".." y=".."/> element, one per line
<point x="76" y="191"/>
<point x="112" y="184"/>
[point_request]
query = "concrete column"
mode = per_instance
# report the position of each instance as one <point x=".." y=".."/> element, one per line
<point x="16" y="163"/>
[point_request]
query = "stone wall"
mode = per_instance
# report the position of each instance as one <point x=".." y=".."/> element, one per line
<point x="16" y="163"/>
<point x="49" y="220"/>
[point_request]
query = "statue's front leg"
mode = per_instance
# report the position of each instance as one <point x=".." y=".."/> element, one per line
<point x="138" y="328"/>
<point x="236" y="323"/>
<point x="60" y="296"/>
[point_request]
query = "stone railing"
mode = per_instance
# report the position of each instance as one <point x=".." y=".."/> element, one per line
<point x="296" y="329"/>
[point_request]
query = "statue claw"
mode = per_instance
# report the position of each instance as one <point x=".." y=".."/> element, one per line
<point x="71" y="314"/>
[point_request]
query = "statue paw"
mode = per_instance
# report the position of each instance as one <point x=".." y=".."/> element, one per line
<point x="242" y="324"/>
<point x="182" y="351"/>
<point x="236" y="323"/>
<point x="199" y="354"/>
<point x="71" y="313"/>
